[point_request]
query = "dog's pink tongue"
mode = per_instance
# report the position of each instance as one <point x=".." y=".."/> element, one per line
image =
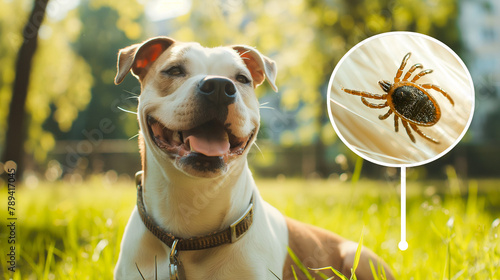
<point x="209" y="139"/>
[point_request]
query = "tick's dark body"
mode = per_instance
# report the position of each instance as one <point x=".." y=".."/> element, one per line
<point x="413" y="104"/>
<point x="409" y="101"/>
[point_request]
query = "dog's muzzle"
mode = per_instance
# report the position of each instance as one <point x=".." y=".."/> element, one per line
<point x="208" y="146"/>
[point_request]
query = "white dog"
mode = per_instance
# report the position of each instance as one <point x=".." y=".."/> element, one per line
<point x="199" y="213"/>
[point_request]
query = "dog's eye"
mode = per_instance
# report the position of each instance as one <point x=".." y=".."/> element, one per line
<point x="174" y="71"/>
<point x="242" y="79"/>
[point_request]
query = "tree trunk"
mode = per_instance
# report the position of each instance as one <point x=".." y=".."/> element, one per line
<point x="16" y="126"/>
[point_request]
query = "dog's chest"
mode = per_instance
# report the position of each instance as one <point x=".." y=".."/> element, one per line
<point x="222" y="263"/>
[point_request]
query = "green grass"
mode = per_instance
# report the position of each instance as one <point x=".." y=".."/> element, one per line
<point x="73" y="231"/>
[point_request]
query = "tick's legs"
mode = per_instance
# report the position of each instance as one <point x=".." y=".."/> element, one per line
<point x="408" y="131"/>
<point x="423" y="134"/>
<point x="386" y="115"/>
<point x="374" y="106"/>
<point x="364" y="94"/>
<point x="436" y="88"/>
<point x="422" y="73"/>
<point x="412" y="69"/>
<point x="396" y="123"/>
<point x="400" y="70"/>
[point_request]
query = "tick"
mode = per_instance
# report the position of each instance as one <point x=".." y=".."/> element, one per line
<point x="409" y="101"/>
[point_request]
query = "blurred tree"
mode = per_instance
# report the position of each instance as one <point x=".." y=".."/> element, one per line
<point x="58" y="79"/>
<point x="106" y="26"/>
<point x="99" y="47"/>
<point x="11" y="24"/>
<point x="68" y="62"/>
<point x="16" y="120"/>
<point x="61" y="85"/>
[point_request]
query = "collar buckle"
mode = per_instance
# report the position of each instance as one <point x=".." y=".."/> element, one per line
<point x="174" y="262"/>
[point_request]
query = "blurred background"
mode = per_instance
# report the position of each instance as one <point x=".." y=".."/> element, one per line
<point x="62" y="118"/>
<point x="72" y="133"/>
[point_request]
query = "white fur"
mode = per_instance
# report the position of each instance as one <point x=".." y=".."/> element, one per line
<point x="186" y="205"/>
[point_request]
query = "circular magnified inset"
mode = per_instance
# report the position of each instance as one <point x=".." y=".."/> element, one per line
<point x="400" y="99"/>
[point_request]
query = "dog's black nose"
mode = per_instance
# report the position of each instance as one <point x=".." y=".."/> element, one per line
<point x="219" y="90"/>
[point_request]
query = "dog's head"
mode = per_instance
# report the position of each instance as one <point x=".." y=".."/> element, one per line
<point x="197" y="107"/>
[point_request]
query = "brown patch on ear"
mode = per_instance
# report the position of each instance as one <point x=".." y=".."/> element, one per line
<point x="260" y="66"/>
<point x="146" y="56"/>
<point x="140" y="57"/>
<point x="257" y="74"/>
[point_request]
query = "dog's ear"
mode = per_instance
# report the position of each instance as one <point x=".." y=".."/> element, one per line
<point x="259" y="65"/>
<point x="139" y="57"/>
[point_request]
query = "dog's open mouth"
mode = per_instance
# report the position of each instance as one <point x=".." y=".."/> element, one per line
<point x="211" y="140"/>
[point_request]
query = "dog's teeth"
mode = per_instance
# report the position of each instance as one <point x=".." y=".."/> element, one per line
<point x="190" y="147"/>
<point x="176" y="137"/>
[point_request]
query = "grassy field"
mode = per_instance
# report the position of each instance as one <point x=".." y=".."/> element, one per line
<point x="73" y="231"/>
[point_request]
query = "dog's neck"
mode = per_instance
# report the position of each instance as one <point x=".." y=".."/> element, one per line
<point x="187" y="206"/>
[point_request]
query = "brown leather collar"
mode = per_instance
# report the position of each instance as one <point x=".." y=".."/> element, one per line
<point x="230" y="235"/>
